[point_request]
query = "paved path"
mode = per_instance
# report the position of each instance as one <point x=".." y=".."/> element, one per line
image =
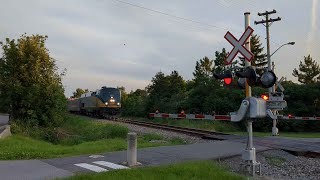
<point x="64" y="167"/>
<point x="30" y="169"/>
<point x="299" y="145"/>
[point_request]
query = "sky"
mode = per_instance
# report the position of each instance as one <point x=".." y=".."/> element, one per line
<point x="126" y="42"/>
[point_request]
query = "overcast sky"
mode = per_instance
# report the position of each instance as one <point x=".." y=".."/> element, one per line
<point x="111" y="43"/>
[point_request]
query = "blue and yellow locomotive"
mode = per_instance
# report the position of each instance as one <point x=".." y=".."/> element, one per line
<point x="103" y="102"/>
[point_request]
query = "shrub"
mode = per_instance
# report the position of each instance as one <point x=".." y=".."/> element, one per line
<point x="75" y="130"/>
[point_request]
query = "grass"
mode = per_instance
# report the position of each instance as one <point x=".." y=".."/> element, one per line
<point x="77" y="136"/>
<point x="188" y="171"/>
<point x="19" y="147"/>
<point x="227" y="127"/>
<point x="75" y="130"/>
<point x="283" y="134"/>
<point x="220" y="126"/>
<point x="275" y="160"/>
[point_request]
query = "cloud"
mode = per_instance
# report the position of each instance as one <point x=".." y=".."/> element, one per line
<point x="110" y="43"/>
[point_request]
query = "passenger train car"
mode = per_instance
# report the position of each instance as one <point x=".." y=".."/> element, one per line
<point x="102" y="102"/>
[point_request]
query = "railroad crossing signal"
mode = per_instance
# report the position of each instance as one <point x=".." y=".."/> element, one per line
<point x="227" y="77"/>
<point x="265" y="97"/>
<point x="267" y="79"/>
<point x="238" y="45"/>
<point x="250" y="74"/>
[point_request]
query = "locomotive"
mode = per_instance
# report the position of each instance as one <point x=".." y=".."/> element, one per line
<point x="102" y="102"/>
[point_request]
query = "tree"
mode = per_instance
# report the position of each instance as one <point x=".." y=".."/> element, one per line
<point x="30" y="86"/>
<point x="204" y="84"/>
<point x="309" y="70"/>
<point x="79" y="92"/>
<point x="203" y="70"/>
<point x="124" y="94"/>
<point x="177" y="84"/>
<point x="135" y="104"/>
<point x="219" y="64"/>
<point x="201" y="85"/>
<point x="166" y="93"/>
<point x="260" y="58"/>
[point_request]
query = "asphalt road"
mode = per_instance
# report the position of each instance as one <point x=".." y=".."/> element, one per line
<point x="64" y="167"/>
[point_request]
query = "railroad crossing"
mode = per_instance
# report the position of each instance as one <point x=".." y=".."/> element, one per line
<point x="64" y="167"/>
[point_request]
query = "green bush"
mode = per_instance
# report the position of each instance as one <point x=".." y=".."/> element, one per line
<point x="75" y="130"/>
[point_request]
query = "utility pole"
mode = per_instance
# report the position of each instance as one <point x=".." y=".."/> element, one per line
<point x="267" y="23"/>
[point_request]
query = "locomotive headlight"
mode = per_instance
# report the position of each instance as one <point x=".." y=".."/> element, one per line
<point x="112" y="100"/>
<point x="118" y="104"/>
<point x="106" y="103"/>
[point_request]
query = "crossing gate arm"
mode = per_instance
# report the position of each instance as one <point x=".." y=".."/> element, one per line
<point x="221" y="117"/>
<point x="190" y="116"/>
<point x="299" y="118"/>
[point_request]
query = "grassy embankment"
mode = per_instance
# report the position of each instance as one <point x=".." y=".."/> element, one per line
<point x="189" y="170"/>
<point x="227" y="127"/>
<point x="78" y="135"/>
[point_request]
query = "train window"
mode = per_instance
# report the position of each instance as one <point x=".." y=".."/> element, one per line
<point x="107" y="93"/>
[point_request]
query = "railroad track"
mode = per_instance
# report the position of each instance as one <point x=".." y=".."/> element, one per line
<point x="206" y="134"/>
<point x="296" y="147"/>
<point x="223" y="136"/>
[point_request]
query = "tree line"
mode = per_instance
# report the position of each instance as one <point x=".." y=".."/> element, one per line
<point x="32" y="93"/>
<point x="204" y="94"/>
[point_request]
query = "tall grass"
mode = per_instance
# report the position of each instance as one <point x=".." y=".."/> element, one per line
<point x="75" y="130"/>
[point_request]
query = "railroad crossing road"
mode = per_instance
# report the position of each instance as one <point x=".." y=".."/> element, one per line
<point x="297" y="145"/>
<point x="64" y="167"/>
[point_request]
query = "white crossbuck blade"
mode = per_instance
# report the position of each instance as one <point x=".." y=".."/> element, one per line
<point x="238" y="45"/>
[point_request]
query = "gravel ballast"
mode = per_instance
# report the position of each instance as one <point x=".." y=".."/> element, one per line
<point x="278" y="164"/>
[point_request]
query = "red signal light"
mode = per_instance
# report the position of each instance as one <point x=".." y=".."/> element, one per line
<point x="227" y="81"/>
<point x="265" y="97"/>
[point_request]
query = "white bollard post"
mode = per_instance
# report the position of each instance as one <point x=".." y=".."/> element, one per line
<point x="132" y="149"/>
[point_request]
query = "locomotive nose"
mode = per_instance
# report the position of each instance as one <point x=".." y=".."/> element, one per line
<point x="112" y="99"/>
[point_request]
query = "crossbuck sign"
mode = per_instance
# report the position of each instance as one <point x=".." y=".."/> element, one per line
<point x="238" y="45"/>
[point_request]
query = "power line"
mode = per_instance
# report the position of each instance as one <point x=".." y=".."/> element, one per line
<point x="171" y="15"/>
<point x="185" y="19"/>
